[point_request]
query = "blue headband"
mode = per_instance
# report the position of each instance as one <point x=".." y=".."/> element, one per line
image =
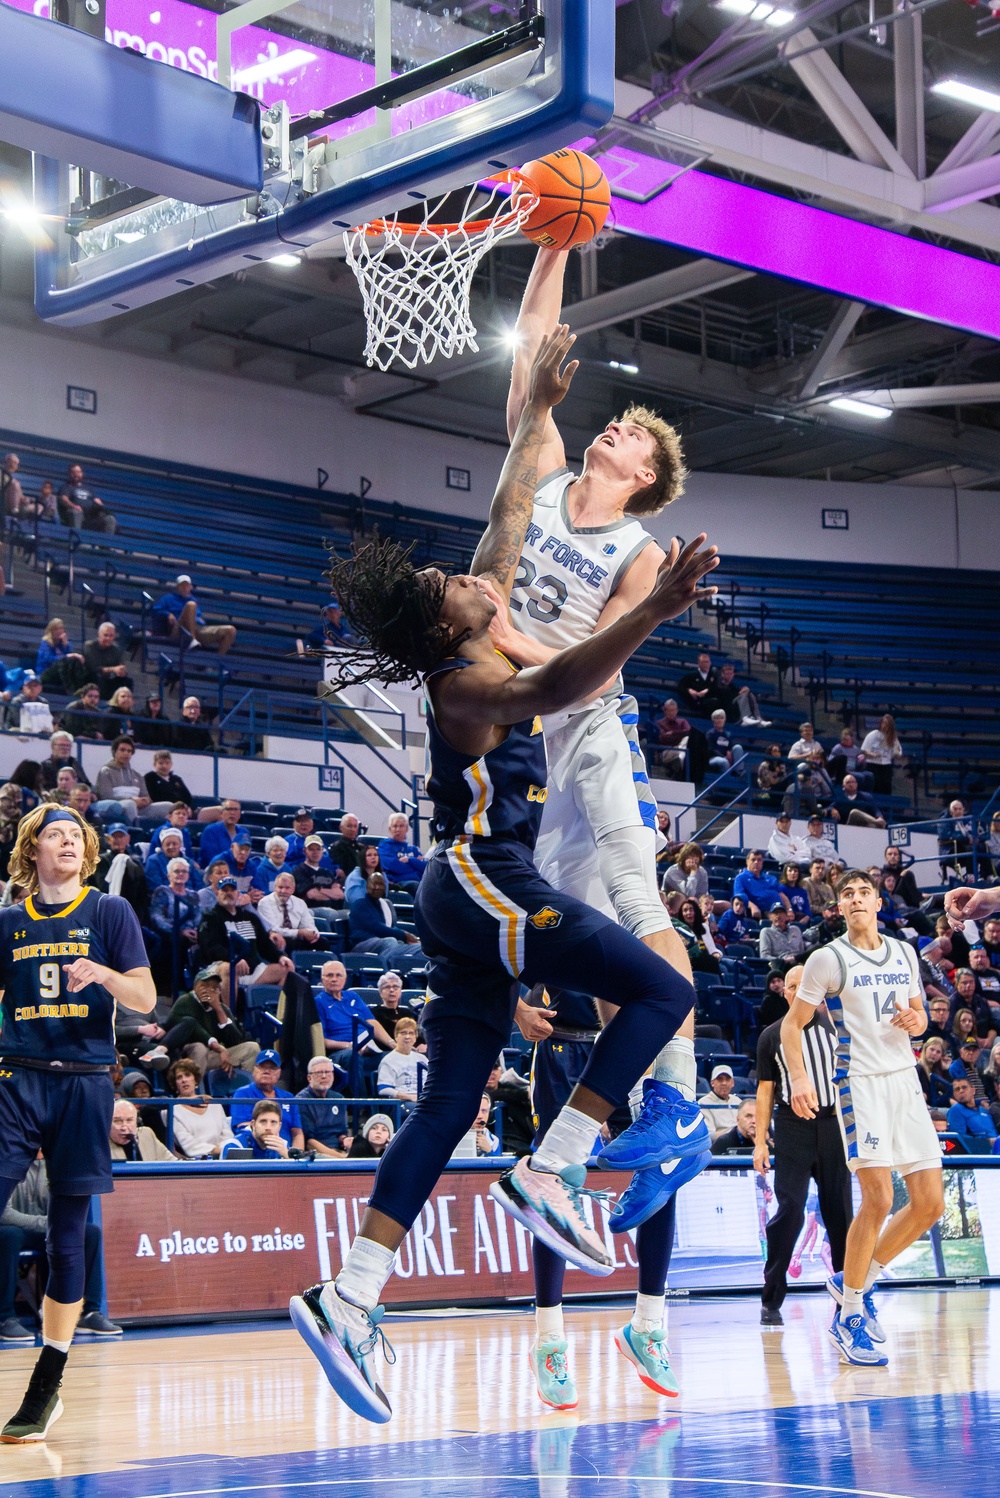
<point x="58" y="814"/>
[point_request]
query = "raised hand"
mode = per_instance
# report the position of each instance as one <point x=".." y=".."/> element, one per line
<point x="676" y="588"/>
<point x="547" y="384"/>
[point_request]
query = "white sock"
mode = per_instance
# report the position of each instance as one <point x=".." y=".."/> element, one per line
<point x="676" y="1064"/>
<point x="648" y="1313"/>
<point x="549" y="1324"/>
<point x="853" y="1304"/>
<point x="875" y="1272"/>
<point x="62" y="1347"/>
<point x="635" y="1099"/>
<point x="367" y="1267"/>
<point x="570" y="1140"/>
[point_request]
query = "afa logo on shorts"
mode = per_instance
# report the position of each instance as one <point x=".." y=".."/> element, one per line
<point x="545" y="919"/>
<point x="872" y="1139"/>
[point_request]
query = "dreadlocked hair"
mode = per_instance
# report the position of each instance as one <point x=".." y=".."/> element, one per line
<point x="394" y="609"/>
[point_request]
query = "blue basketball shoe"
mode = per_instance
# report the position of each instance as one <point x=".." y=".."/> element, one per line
<point x="553" y="1379"/>
<point x="652" y="1188"/>
<point x="853" y="1342"/>
<point x="668" y="1128"/>
<point x="835" y="1285"/>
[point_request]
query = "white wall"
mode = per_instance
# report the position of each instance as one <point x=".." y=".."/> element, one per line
<point x="176" y="413"/>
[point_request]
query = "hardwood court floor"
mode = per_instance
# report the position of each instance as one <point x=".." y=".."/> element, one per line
<point x="762" y="1411"/>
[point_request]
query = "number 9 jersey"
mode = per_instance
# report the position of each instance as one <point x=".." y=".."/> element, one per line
<point x="42" y="1020"/>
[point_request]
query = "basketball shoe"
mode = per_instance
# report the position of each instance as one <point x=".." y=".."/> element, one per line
<point x="553" y="1379"/>
<point x="668" y="1128"/>
<point x="342" y="1337"/>
<point x="650" y="1356"/>
<point x="835" y="1285"/>
<point x="853" y="1342"/>
<point x="551" y="1207"/>
<point x="652" y="1188"/>
<point x="41" y="1405"/>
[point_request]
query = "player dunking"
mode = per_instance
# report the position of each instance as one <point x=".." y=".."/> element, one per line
<point x="67" y="956"/>
<point x="874" y="996"/>
<point x="485" y="916"/>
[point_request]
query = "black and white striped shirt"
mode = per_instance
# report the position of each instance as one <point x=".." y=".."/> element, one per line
<point x="819" y="1054"/>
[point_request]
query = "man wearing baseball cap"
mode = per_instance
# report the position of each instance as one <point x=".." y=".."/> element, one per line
<point x="266" y="1072"/>
<point x="178" y="611"/>
<point x="216" y="1039"/>
<point x="316" y="878"/>
<point x="263" y="959"/>
<point x="302" y="826"/>
<point x="720" y="1104"/>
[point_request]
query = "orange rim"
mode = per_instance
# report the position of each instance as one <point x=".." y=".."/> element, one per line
<point x="378" y="226"/>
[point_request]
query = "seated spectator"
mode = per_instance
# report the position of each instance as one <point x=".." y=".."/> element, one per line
<point x="724" y="753"/>
<point x="689" y="923"/>
<point x="345" y="851"/>
<point x="738" y="703"/>
<point x="813" y="790"/>
<point x="178" y="610"/>
<point x="906" y="880"/>
<point x="706" y="904"/>
<point x="175" y="907"/>
<point x="338" y="1006"/>
<point x="986" y="975"/>
<point x="262" y="1135"/>
<point x="817" y="843"/>
<point x="208" y="894"/>
<point x="893" y="914"/>
<point x="818" y="888"/>
<point x="331" y="629"/>
<point x="316" y="879"/>
<point x="171" y="846"/>
<point x="61" y="668"/>
<point x="264" y="1088"/>
<point x="389" y="1009"/>
<point x="216" y="1039"/>
<point x="121" y="709"/>
<point x="783" y="847"/>
<point x="774" y="1004"/>
<point x="509" y="1089"/>
<point x="65" y="781"/>
<point x="121" y="790"/>
<point x="402" y="861"/>
<point x="263" y="961"/>
<point x="274" y="862"/>
<point x="688" y="875"/>
<point x="131" y="1140"/>
<point x="969" y="1063"/>
<point x="969" y="1117"/>
<point x="192" y="733"/>
<point x="81" y="799"/>
<point x="772" y="777"/>
<point x="61" y="755"/>
<point x="85" y="716"/>
<point x="120" y="872"/>
<point x="720" y="1104"/>
<point x="882" y="749"/>
<point x="855" y="807"/>
<point x="285" y="915"/>
<point x="938" y="1022"/>
<point x="376" y="1134"/>
<point x="27" y="774"/>
<point x="991" y="1084"/>
<point x="44" y="504"/>
<point x="105" y="661"/>
<point x="356" y="883"/>
<point x="793" y="888"/>
<point x="217" y="837"/>
<point x="178" y="815"/>
<point x="401" y="1071"/>
<point x="932" y="1073"/>
<point x="487" y="1143"/>
<point x="201" y="1128"/>
<point x="781" y="941"/>
<point x="806" y="744"/>
<point x="24" y="1227"/>
<point x="697" y="686"/>
<point x="844" y="756"/>
<point x="829" y="928"/>
<point x="672" y="736"/>
<point x="969" y="996"/>
<point x="243" y="866"/>
<point x="326" y="1128"/>
<point x="734" y="924"/>
<point x="29" y="711"/>
<point x="80" y="508"/>
<point x="758" y="891"/>
<point x="303" y="826"/>
<point x="11" y="811"/>
<point x="741" y="1138"/>
<point x="154" y="728"/>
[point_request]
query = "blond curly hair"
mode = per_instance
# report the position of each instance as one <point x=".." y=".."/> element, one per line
<point x="23" y="869"/>
<point x="668" y="461"/>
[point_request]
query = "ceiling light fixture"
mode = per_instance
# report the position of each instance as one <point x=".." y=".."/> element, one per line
<point x="860" y="408"/>
<point x="625" y="368"/>
<point x="288" y="262"/>
<point x="771" y="15"/>
<point x="272" y="68"/>
<point x="965" y="93"/>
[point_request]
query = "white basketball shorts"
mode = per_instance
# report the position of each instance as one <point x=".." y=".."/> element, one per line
<point x="884" y="1121"/>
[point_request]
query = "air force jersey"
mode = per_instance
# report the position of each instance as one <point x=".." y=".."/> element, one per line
<point x="863" y="990"/>
<point x="42" y="1020"/>
<point x="566" y="576"/>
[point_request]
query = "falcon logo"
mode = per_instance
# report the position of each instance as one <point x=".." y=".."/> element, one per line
<point x="545" y="919"/>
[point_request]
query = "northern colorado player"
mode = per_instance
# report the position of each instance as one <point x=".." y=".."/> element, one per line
<point x="67" y="956"/>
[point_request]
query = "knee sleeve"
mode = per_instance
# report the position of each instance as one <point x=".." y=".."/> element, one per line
<point x="627" y="863"/>
<point x="64" y="1247"/>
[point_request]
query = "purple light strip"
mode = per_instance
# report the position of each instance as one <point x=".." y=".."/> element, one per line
<point x="727" y="221"/>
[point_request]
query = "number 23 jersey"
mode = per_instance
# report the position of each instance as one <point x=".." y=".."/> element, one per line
<point x="42" y="1020"/>
<point x="863" y="990"/>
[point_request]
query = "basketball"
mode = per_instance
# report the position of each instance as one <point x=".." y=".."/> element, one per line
<point x="573" y="199"/>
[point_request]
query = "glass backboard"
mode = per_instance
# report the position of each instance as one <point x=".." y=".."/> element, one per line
<point x="368" y="106"/>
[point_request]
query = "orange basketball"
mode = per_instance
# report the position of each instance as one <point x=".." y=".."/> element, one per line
<point x="573" y="199"/>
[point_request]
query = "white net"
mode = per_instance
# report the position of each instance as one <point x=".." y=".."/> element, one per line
<point x="416" y="278"/>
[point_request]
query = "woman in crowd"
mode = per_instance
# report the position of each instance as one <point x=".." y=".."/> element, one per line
<point x="174" y="905"/>
<point x="882" y="749"/>
<point x="774" y="1005"/>
<point x="201" y="1128"/>
<point x="122" y="709"/>
<point x="963" y="1025"/>
<point x="688" y="875"/>
<point x="968" y="995"/>
<point x="932" y="1073"/>
<point x="271" y="865"/>
<point x="798" y="898"/>
<point x="28" y="776"/>
<point x="375" y="1134"/>
<point x="152" y="728"/>
<point x="689" y="923"/>
<point x="59" y="666"/>
<point x="355" y="885"/>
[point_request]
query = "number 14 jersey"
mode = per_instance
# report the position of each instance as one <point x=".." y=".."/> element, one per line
<point x="863" y="990"/>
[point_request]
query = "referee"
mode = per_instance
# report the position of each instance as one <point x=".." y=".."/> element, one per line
<point x="804" y="1149"/>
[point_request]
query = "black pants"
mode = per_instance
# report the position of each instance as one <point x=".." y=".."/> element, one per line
<point x="805" y="1149"/>
<point x="13" y="1240"/>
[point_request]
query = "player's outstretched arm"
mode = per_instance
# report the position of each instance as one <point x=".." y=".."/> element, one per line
<point x="967" y="904"/>
<point x="499" y="552"/>
<point x="135" y="989"/>
<point x="539" y="314"/>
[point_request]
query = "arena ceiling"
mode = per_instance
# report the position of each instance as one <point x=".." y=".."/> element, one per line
<point x="836" y="106"/>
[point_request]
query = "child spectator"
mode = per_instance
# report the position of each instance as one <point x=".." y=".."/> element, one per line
<point x="376" y="1132"/>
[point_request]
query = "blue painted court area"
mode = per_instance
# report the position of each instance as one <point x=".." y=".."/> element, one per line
<point x="881" y="1447"/>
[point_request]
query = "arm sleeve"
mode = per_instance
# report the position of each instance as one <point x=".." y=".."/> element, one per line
<point x="122" y="935"/>
<point x="820" y="978"/>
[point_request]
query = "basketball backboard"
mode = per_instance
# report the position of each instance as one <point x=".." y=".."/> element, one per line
<point x="367" y="107"/>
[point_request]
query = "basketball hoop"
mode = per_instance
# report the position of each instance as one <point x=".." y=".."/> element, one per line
<point x="415" y="278"/>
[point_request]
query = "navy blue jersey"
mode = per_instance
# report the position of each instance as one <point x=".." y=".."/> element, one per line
<point x="498" y="795"/>
<point x="573" y="1011"/>
<point x="42" y="1020"/>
